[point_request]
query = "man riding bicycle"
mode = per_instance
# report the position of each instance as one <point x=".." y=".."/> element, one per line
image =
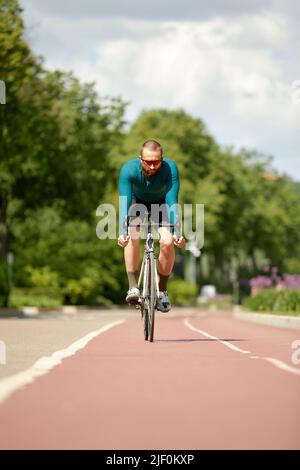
<point x="149" y="179"/>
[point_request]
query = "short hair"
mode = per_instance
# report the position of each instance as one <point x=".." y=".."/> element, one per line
<point x="151" y="145"/>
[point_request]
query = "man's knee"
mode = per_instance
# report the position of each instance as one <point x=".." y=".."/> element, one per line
<point x="135" y="232"/>
<point x="134" y="237"/>
<point x="166" y="240"/>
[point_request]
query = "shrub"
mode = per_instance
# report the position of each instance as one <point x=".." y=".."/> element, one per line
<point x="42" y="277"/>
<point x="285" y="301"/>
<point x="36" y="297"/>
<point x="182" y="293"/>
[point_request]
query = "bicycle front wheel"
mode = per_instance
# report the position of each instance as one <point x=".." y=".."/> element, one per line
<point x="145" y="296"/>
<point x="152" y="297"/>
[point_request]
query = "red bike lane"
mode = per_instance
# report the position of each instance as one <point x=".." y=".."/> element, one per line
<point x="184" y="391"/>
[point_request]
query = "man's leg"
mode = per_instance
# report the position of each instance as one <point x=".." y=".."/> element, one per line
<point x="165" y="265"/>
<point x="132" y="262"/>
<point x="166" y="257"/>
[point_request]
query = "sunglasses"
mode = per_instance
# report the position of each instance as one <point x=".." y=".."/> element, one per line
<point x="152" y="162"/>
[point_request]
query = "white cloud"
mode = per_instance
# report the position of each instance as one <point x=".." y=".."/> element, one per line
<point x="154" y="10"/>
<point x="186" y="64"/>
<point x="235" y="72"/>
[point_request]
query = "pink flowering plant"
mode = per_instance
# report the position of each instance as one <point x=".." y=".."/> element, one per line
<point x="272" y="279"/>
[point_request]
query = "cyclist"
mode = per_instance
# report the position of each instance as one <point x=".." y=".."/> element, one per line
<point x="149" y="179"/>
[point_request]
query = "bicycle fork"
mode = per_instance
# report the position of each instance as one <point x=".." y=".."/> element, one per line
<point x="144" y="275"/>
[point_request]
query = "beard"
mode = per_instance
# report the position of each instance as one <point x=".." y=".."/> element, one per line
<point x="150" y="173"/>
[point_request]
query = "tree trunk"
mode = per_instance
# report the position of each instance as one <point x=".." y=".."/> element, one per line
<point x="253" y="259"/>
<point x="3" y="226"/>
<point x="4" y="288"/>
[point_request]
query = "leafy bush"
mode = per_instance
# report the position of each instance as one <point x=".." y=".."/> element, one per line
<point x="42" y="277"/>
<point x="68" y="254"/>
<point x="182" y="293"/>
<point x="36" y="297"/>
<point x="85" y="291"/>
<point x="284" y="301"/>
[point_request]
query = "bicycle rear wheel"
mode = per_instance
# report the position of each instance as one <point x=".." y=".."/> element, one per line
<point x="146" y="324"/>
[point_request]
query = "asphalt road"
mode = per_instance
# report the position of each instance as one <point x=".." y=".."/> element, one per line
<point x="208" y="381"/>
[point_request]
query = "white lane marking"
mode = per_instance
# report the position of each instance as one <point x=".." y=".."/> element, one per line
<point x="282" y="365"/>
<point x="43" y="365"/>
<point x="204" y="333"/>
<point x="275" y="362"/>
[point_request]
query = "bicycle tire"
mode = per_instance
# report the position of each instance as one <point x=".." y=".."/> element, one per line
<point x="145" y="304"/>
<point x="146" y="324"/>
<point x="152" y="298"/>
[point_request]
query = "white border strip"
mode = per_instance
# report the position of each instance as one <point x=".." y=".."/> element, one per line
<point x="43" y="365"/>
<point x="279" y="321"/>
<point x="276" y="362"/>
<point x="282" y="365"/>
<point x="225" y="343"/>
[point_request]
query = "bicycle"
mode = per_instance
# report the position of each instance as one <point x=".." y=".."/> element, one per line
<point x="147" y="302"/>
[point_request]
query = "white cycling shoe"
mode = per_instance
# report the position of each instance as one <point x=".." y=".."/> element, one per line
<point x="133" y="295"/>
<point x="163" y="302"/>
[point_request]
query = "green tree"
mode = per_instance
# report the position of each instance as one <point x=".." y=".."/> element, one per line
<point x="57" y="137"/>
<point x="17" y="66"/>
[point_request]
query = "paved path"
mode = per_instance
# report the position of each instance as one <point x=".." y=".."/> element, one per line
<point x="207" y="382"/>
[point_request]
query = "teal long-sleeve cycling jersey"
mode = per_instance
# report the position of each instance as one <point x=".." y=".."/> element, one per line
<point x="163" y="186"/>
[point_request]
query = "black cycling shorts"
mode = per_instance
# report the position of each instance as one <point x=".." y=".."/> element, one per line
<point x="162" y="214"/>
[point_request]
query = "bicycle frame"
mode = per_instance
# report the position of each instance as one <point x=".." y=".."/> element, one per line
<point x="148" y="249"/>
<point x="148" y="274"/>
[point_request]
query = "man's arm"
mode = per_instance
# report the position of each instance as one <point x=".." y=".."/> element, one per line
<point x="172" y="193"/>
<point x="125" y="195"/>
<point x="171" y="199"/>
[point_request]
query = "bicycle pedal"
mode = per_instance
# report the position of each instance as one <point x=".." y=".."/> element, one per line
<point x="133" y="302"/>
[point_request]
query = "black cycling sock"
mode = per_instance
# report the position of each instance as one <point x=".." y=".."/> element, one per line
<point x="132" y="279"/>
<point x="163" y="281"/>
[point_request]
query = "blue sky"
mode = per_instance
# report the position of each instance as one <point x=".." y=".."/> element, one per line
<point x="231" y="63"/>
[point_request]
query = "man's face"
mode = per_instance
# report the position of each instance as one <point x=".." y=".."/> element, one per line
<point x="151" y="161"/>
